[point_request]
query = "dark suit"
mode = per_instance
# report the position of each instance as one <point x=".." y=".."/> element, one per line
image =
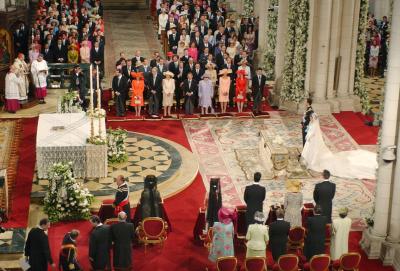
<point x="48" y="56"/>
<point x="278" y="238"/>
<point x="315" y="239"/>
<point x="324" y="193"/>
<point x="305" y="122"/>
<point x="198" y="74"/>
<point x="122" y="235"/>
<point x="190" y="99"/>
<point x="258" y="88"/>
<point x="127" y="72"/>
<point x="60" y="52"/>
<point x="38" y="250"/>
<point x="99" y="248"/>
<point x="154" y="98"/>
<point x="136" y="59"/>
<point x="173" y="42"/>
<point x="254" y="196"/>
<point x="121" y="86"/>
<point x="97" y="56"/>
<point x="78" y="83"/>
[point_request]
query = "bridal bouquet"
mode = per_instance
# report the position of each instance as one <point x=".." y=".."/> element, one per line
<point x="116" y="146"/>
<point x="278" y="140"/>
<point x="66" y="198"/>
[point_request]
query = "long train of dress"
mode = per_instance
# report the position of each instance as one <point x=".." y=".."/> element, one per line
<point x="357" y="164"/>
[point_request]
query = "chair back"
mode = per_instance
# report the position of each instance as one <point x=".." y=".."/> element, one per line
<point x="320" y="262"/>
<point x="228" y="263"/>
<point x="209" y="238"/>
<point x="288" y="262"/>
<point x="153" y="227"/>
<point x="297" y="234"/>
<point x="255" y="264"/>
<point x="350" y="261"/>
<point x="240" y="225"/>
<point x="111" y="221"/>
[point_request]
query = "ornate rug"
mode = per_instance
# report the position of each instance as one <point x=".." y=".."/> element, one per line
<point x="227" y="149"/>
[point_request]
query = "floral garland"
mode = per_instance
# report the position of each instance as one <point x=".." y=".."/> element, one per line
<point x="269" y="55"/>
<point x="294" y="72"/>
<point x="116" y="146"/>
<point x="248" y="8"/>
<point x="66" y="198"/>
<point x="68" y="101"/>
<point x="359" y="87"/>
<point x="97" y="140"/>
<point x="98" y="113"/>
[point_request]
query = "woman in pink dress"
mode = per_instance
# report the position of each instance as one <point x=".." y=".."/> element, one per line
<point x="193" y="52"/>
<point x="223" y="89"/>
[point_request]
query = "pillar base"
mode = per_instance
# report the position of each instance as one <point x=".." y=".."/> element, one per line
<point x="371" y="244"/>
<point x="335" y="105"/>
<point x="396" y="261"/>
<point x="322" y="108"/>
<point x="349" y="103"/>
<point x="388" y="252"/>
<point x="293" y="107"/>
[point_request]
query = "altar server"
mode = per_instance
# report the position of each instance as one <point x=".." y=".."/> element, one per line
<point x="121" y="202"/>
<point x="99" y="245"/>
<point x="12" y="90"/>
<point x="39" y="70"/>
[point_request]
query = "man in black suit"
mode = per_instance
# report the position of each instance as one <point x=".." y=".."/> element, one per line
<point x="137" y="58"/>
<point x="144" y="68"/>
<point x="254" y="196"/>
<point x="120" y="89"/>
<point x="324" y="193"/>
<point x="189" y="67"/>
<point x="173" y="40"/>
<point x="189" y="87"/>
<point x="99" y="245"/>
<point x="315" y="239"/>
<point x="47" y="54"/>
<point x="122" y="235"/>
<point x="37" y="249"/>
<point x="60" y="52"/>
<point x="161" y="66"/>
<point x="127" y="69"/>
<point x="306" y="119"/>
<point x="258" y="88"/>
<point x="198" y="72"/>
<point x="97" y="56"/>
<point x="154" y="85"/>
<point x="78" y="83"/>
<point x="278" y="235"/>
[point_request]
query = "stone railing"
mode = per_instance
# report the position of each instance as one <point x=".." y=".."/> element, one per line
<point x="60" y="74"/>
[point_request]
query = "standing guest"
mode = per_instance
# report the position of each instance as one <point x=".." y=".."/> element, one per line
<point x="121" y="202"/>
<point x="99" y="245"/>
<point x="97" y="56"/>
<point x="150" y="199"/>
<point x="47" y="53"/>
<point x="254" y="196"/>
<point x="257" y="237"/>
<point x="73" y="54"/>
<point x="168" y="84"/>
<point x="193" y="52"/>
<point x="213" y="202"/>
<point x="78" y="83"/>
<point x="173" y="40"/>
<point x="278" y="234"/>
<point x="37" y="249"/>
<point x="315" y="239"/>
<point x="128" y="69"/>
<point x="60" y="52"/>
<point x="39" y="70"/>
<point x="68" y="254"/>
<point x="258" y="85"/>
<point x="241" y="87"/>
<point x="180" y="78"/>
<point x="85" y="52"/>
<point x="122" y="235"/>
<point x="22" y="71"/>
<point x="324" y="192"/>
<point x="155" y="86"/>
<point x="373" y="58"/>
<point x="120" y="88"/>
<point x="198" y="72"/>
<point x="340" y="234"/>
<point x="12" y="83"/>
<point x="223" y="91"/>
<point x="222" y="243"/>
<point x="206" y="93"/>
<point x="293" y="203"/>
<point x="137" y="100"/>
<point x="306" y="119"/>
<point x="189" y="87"/>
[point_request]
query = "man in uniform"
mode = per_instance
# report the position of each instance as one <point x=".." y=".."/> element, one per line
<point x="121" y="202"/>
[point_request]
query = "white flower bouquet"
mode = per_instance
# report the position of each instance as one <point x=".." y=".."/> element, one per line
<point x="116" y="146"/>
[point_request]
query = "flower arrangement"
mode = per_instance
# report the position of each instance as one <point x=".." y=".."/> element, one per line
<point x="96" y="140"/>
<point x="116" y="146"/>
<point x="66" y="198"/>
<point x="70" y="103"/>
<point x="248" y="8"/>
<point x="98" y="113"/>
<point x="269" y="55"/>
<point x="359" y="87"/>
<point x="294" y="72"/>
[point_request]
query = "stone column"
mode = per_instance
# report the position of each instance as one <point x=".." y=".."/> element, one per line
<point x="2" y="5"/>
<point x="261" y="10"/>
<point x="380" y="8"/>
<point x="373" y="238"/>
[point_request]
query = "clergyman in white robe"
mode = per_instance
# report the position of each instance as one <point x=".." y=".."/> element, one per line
<point x="340" y="234"/>
<point x="22" y="70"/>
<point x="12" y="88"/>
<point x="39" y="70"/>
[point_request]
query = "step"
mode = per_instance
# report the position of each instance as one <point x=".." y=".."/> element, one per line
<point x="124" y="5"/>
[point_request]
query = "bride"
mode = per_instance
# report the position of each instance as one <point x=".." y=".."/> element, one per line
<point x="357" y="164"/>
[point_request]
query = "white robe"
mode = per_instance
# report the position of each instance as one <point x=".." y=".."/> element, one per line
<point x="39" y="71"/>
<point x="13" y="84"/>
<point x="22" y="70"/>
<point x="340" y="237"/>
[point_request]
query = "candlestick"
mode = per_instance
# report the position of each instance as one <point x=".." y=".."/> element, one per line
<point x="91" y="89"/>
<point x="91" y="127"/>
<point x="100" y="132"/>
<point x="98" y="86"/>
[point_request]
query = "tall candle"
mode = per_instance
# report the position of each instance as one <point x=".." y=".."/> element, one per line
<point x="98" y="88"/>
<point x="91" y="89"/>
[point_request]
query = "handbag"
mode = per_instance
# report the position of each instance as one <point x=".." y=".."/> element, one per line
<point x="240" y="96"/>
<point x="136" y="100"/>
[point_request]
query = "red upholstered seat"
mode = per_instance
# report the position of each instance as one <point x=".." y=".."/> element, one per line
<point x="228" y="263"/>
<point x="106" y="210"/>
<point x="347" y="262"/>
<point x="255" y="264"/>
<point x="306" y="212"/>
<point x="296" y="239"/>
<point x="287" y="262"/>
<point x="240" y="225"/>
<point x="318" y="263"/>
<point x="152" y="230"/>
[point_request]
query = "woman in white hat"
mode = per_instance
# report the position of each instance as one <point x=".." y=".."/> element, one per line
<point x="293" y="203"/>
<point x="340" y="234"/>
<point x="257" y="237"/>
<point x="223" y="90"/>
<point x="168" y="84"/>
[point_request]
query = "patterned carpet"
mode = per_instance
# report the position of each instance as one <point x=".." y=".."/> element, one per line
<point x="219" y="144"/>
<point x="375" y="89"/>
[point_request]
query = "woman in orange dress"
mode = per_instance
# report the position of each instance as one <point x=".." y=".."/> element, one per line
<point x="137" y="100"/>
<point x="241" y="85"/>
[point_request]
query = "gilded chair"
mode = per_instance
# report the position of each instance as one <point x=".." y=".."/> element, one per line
<point x="296" y="239"/>
<point x="152" y="230"/>
<point x="287" y="262"/>
<point x="347" y="262"/>
<point x="255" y="264"/>
<point x="208" y="238"/>
<point x="240" y="223"/>
<point x="318" y="263"/>
<point x="228" y="263"/>
<point x="111" y="221"/>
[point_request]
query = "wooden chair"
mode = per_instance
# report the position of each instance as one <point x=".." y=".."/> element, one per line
<point x="318" y="263"/>
<point x="240" y="223"/>
<point x="296" y="239"/>
<point x="152" y="230"/>
<point x="287" y="262"/>
<point x="228" y="263"/>
<point x="347" y="262"/>
<point x="255" y="264"/>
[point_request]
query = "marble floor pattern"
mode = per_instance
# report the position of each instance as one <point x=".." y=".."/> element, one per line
<point x="375" y="87"/>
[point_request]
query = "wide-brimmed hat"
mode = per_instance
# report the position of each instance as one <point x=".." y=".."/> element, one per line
<point x="170" y="54"/>
<point x="168" y="73"/>
<point x="225" y="71"/>
<point x="226" y="215"/>
<point x="293" y="186"/>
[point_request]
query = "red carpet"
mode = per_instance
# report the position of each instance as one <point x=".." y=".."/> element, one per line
<point x="354" y="123"/>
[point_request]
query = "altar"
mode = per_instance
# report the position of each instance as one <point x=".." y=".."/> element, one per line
<point x="63" y="138"/>
<point x="272" y="148"/>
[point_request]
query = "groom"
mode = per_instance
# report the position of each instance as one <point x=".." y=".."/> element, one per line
<point x="306" y="119"/>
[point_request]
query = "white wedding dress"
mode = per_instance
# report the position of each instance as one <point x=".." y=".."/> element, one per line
<point x="355" y="164"/>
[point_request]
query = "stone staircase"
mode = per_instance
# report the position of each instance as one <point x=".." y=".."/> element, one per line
<point x="125" y="4"/>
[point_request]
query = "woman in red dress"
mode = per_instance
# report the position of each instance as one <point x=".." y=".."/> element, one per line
<point x="241" y="85"/>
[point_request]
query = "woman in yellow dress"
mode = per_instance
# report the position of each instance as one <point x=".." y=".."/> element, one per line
<point x="137" y="100"/>
<point x="73" y="54"/>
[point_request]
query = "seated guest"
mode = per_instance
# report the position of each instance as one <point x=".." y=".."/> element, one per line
<point x="315" y="239"/>
<point x="293" y="203"/>
<point x="85" y="52"/>
<point x="68" y="254"/>
<point x="340" y="234"/>
<point x="99" y="245"/>
<point x="222" y="243"/>
<point x="150" y="200"/>
<point x="257" y="236"/>
<point x="213" y="202"/>
<point x="278" y="235"/>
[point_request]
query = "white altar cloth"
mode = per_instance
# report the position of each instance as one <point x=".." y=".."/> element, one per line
<point x="62" y="138"/>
